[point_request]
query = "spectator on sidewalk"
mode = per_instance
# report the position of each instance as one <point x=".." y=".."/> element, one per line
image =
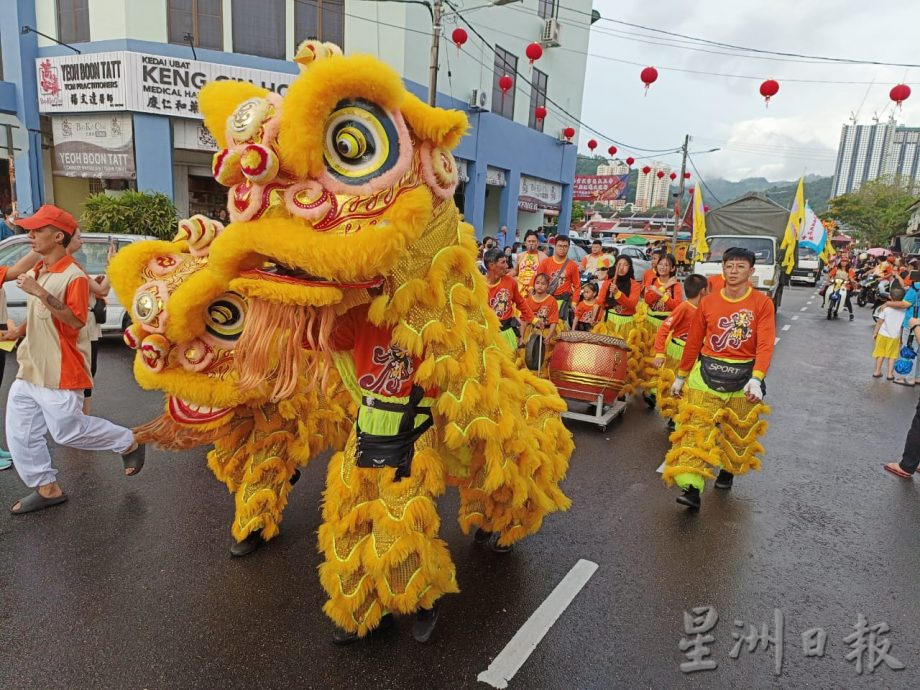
<point x="53" y="357"/>
<point x="887" y="334"/>
<point x="910" y="458"/>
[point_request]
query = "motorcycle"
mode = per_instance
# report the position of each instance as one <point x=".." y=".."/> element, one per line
<point x="836" y="295"/>
<point x="867" y="290"/>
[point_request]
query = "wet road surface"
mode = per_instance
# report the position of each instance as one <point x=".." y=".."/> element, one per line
<point x="130" y="584"/>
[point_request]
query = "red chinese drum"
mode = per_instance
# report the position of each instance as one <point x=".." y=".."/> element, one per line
<point x="585" y="365"/>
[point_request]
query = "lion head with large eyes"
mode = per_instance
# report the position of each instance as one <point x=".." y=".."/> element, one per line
<point x="329" y="185"/>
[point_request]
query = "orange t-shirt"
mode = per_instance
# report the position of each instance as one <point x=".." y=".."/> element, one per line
<point x="622" y="305"/>
<point x="504" y="296"/>
<point x="650" y="275"/>
<point x="851" y="276"/>
<point x="586" y="313"/>
<point x="716" y="282"/>
<point x="673" y="296"/>
<point x="742" y="330"/>
<point x="677" y="325"/>
<point x="545" y="308"/>
<point x="569" y="282"/>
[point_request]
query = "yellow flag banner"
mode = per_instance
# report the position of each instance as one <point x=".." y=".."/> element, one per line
<point x="700" y="246"/>
<point x="794" y="227"/>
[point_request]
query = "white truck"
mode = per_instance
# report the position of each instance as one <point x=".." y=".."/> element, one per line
<point x="754" y="222"/>
<point x="808" y="267"/>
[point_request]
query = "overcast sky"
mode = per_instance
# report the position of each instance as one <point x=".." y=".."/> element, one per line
<point x="800" y="130"/>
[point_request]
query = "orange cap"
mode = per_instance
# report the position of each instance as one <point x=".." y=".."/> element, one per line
<point x="51" y="215"/>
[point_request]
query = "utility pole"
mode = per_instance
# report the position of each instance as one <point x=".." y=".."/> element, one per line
<point x="680" y="195"/>
<point x="435" y="48"/>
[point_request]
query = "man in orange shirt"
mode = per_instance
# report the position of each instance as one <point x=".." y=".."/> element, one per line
<point x="725" y="360"/>
<point x="528" y="261"/>
<point x="564" y="279"/>
<point x="596" y="263"/>
<point x="504" y="296"/>
<point x="53" y="357"/>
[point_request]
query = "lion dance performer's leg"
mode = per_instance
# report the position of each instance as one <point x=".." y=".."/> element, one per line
<point x="713" y="429"/>
<point x="650" y="376"/>
<point x="380" y="539"/>
<point x="667" y="403"/>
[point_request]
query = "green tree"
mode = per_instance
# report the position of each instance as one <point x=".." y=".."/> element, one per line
<point x="578" y="212"/>
<point x="131" y="213"/>
<point x="876" y="212"/>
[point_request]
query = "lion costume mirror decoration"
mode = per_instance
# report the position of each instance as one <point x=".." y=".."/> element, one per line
<point x="346" y="264"/>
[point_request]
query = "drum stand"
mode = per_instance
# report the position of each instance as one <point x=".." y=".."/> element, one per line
<point x="603" y="413"/>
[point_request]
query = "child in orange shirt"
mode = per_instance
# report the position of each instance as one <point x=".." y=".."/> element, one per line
<point x="669" y="343"/>
<point x="545" y="318"/>
<point x="586" y="310"/>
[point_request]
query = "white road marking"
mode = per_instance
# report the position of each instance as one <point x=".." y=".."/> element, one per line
<point x="776" y="340"/>
<point x="795" y="318"/>
<point x="787" y="327"/>
<point x="516" y="652"/>
<point x="811" y="301"/>
<point x="660" y="469"/>
<point x="804" y="309"/>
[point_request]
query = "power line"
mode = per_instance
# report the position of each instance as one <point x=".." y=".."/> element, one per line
<point x="702" y="181"/>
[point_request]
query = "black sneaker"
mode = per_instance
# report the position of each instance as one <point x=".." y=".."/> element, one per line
<point x="248" y="545"/>
<point x="425" y="620"/>
<point x="851" y="317"/>
<point x="649" y="400"/>
<point x="690" y="498"/>
<point x="481" y="536"/>
<point x="497" y="548"/>
<point x="343" y="638"/>
<point x="724" y="480"/>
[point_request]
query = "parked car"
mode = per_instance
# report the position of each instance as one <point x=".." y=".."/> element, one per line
<point x="637" y="254"/>
<point x="93" y="257"/>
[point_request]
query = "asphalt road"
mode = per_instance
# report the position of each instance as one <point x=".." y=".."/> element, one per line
<point x="130" y="584"/>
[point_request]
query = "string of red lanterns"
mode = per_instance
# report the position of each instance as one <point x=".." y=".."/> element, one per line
<point x="899" y="94"/>
<point x="646" y="170"/>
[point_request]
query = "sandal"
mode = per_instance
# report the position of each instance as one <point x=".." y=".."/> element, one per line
<point x="876" y="376"/>
<point x="889" y="378"/>
<point x="35" y="501"/>
<point x="896" y="470"/>
<point x="902" y="382"/>
<point x="134" y="460"/>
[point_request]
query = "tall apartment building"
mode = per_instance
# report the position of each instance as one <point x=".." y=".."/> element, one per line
<point x="614" y="167"/>
<point x="867" y="152"/>
<point x="131" y="70"/>
<point x="652" y="192"/>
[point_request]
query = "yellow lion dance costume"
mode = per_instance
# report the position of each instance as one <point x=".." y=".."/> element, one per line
<point x="185" y="338"/>
<point x="344" y="240"/>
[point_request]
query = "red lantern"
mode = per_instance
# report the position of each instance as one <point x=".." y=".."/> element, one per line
<point x="539" y="112"/>
<point x="612" y="150"/>
<point x="592" y="144"/>
<point x="769" y="89"/>
<point x="705" y="209"/>
<point x="568" y="132"/>
<point x="660" y="174"/>
<point x="899" y="93"/>
<point x="459" y="37"/>
<point x="648" y="76"/>
<point x="505" y="83"/>
<point x="686" y="176"/>
<point x="673" y="176"/>
<point x="630" y="160"/>
<point x="534" y="52"/>
<point x="691" y="190"/>
<point x="646" y="170"/>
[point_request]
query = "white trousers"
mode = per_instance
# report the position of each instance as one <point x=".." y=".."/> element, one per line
<point x="33" y="411"/>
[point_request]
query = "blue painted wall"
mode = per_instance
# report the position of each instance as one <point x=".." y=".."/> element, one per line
<point x="492" y="141"/>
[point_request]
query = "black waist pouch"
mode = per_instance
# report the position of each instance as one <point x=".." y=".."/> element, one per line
<point x="725" y="377"/>
<point x="379" y="451"/>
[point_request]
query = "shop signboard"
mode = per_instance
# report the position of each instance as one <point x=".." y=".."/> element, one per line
<point x="139" y="82"/>
<point x="536" y="194"/>
<point x="93" y="146"/>
<point x="600" y="187"/>
<point x="193" y="136"/>
<point x="495" y="177"/>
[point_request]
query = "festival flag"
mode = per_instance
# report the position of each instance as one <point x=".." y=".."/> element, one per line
<point x="813" y="234"/>
<point x="700" y="246"/>
<point x="828" y="252"/>
<point x="794" y="227"/>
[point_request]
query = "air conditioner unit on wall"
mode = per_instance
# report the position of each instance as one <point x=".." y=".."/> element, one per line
<point x="550" y="38"/>
<point x="479" y="100"/>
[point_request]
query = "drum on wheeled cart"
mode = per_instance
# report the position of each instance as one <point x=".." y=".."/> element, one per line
<point x="590" y="368"/>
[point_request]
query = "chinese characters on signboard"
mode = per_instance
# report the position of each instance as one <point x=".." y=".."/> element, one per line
<point x="600" y="187"/>
<point x="138" y="82"/>
<point x="536" y="194"/>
